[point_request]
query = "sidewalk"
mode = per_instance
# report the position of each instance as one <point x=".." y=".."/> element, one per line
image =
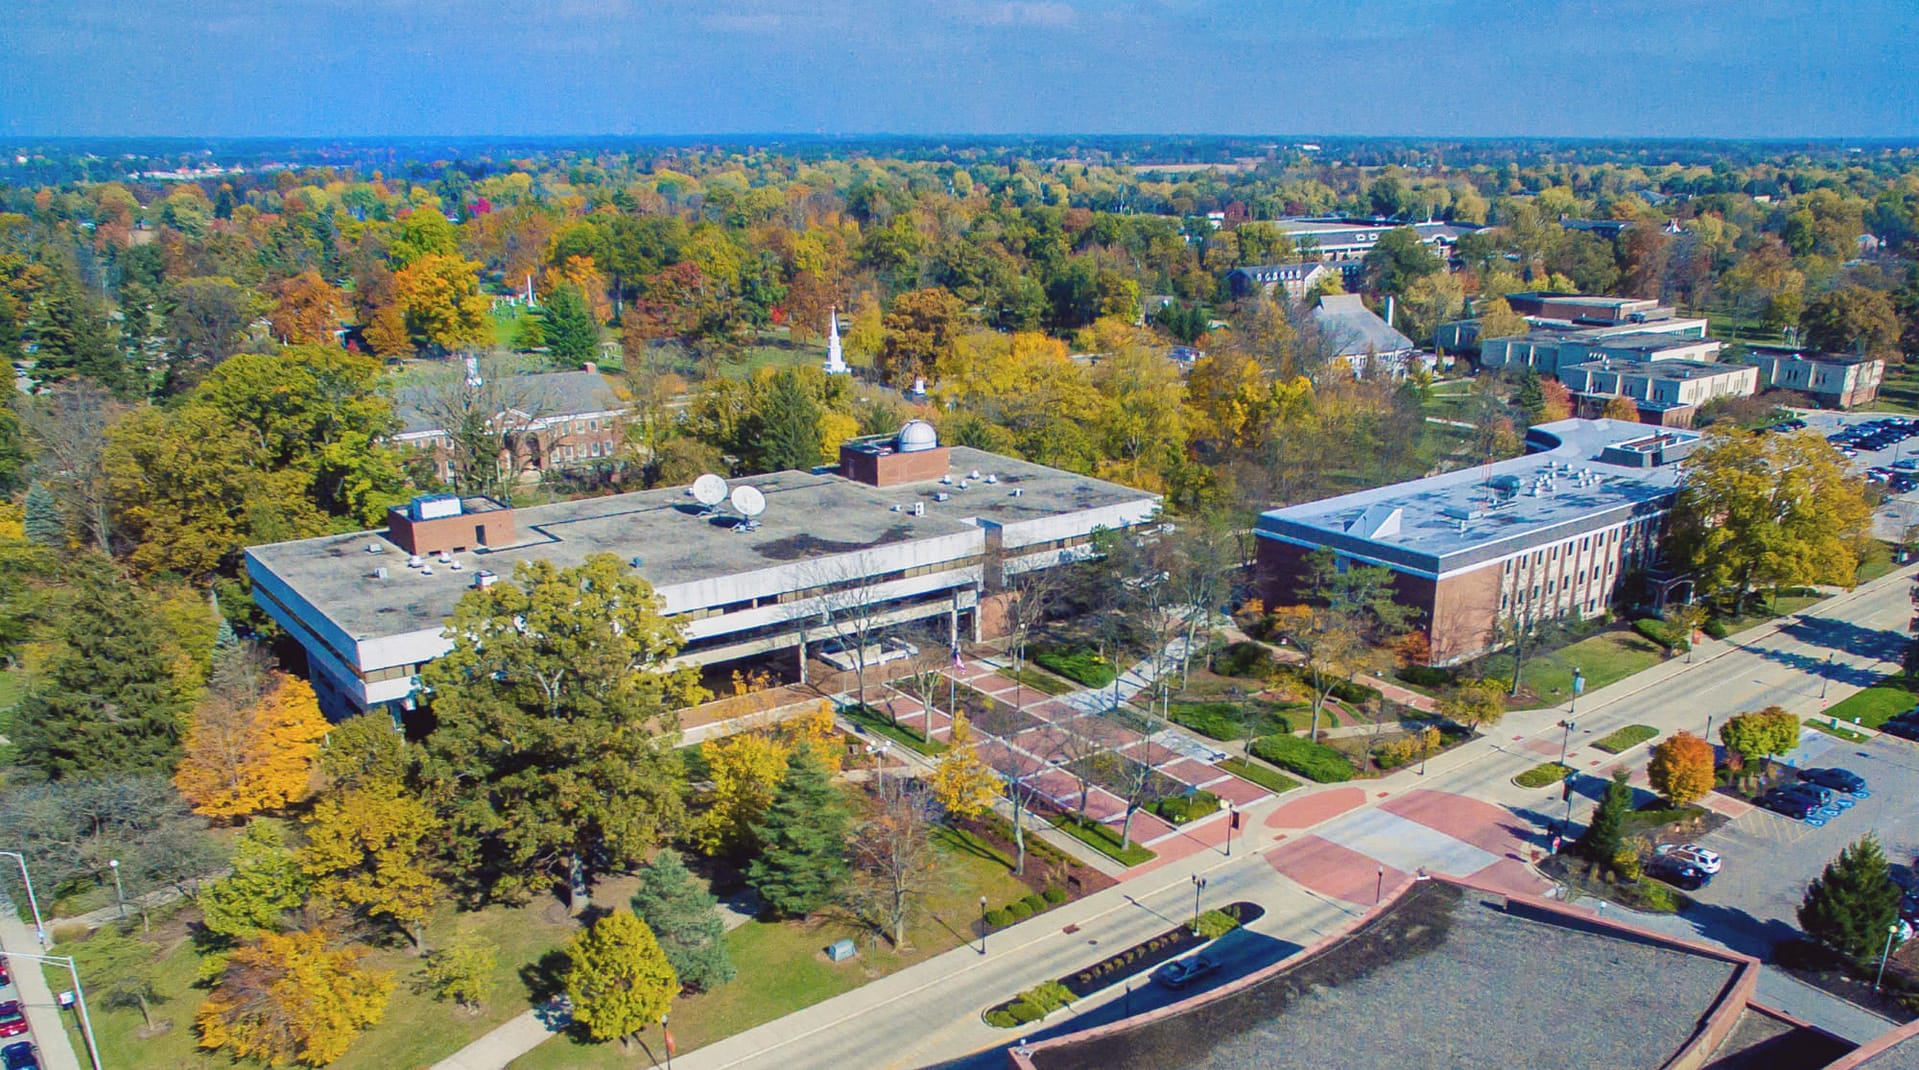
<point x="35" y="995"/>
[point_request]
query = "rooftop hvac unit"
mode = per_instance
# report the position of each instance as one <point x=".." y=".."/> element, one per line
<point x="974" y="474"/>
<point x="634" y="560"/>
<point x="375" y="548"/>
<point x="415" y="561"/>
<point x="919" y="508"/>
<point x="963" y="484"/>
<point x="455" y="566"/>
<point x="484" y="579"/>
<point x="947" y="479"/>
<point x="445" y="558"/>
<point x="991" y="478"/>
<point x="426" y="570"/>
<point x="380" y="573"/>
<point x="942" y="496"/>
<point x="1017" y="491"/>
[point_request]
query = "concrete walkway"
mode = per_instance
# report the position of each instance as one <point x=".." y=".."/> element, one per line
<point x="31" y="989"/>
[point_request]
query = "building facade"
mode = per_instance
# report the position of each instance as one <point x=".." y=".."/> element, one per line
<point x="908" y="532"/>
<point x="1833" y="380"/>
<point x="550" y="421"/>
<point x="1668" y="392"/>
<point x="1480" y="551"/>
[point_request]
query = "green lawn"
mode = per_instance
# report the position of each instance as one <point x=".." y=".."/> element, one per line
<point x="417" y="1031"/>
<point x="1839" y="731"/>
<point x="1543" y="774"/>
<point x="1877" y="562"/>
<point x="1900" y="390"/>
<point x="1044" y="682"/>
<point x="1877" y="704"/>
<point x="774" y="348"/>
<point x="874" y="721"/>
<point x="1625" y="738"/>
<point x="1603" y="659"/>
<point x="782" y="967"/>
<point x="1265" y="776"/>
<point x="1103" y="839"/>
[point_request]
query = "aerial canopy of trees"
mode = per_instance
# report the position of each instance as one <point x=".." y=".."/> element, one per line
<point x="292" y="998"/>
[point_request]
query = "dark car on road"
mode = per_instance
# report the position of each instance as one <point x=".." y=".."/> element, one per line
<point x="21" y="1056"/>
<point x="1798" y="807"/>
<point x="13" y="1021"/>
<point x="1837" y="779"/>
<point x="1682" y="875"/>
<point x="1182" y="972"/>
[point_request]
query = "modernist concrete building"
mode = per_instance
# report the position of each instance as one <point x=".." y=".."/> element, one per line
<point x="905" y="530"/>
<point x="1832" y="379"/>
<point x="1558" y="318"/>
<point x="1538" y="537"/>
<point x="1547" y="349"/>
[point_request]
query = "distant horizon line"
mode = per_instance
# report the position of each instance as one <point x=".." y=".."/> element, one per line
<point x="1877" y="140"/>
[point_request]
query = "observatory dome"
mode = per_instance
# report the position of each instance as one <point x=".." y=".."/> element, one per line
<point x="918" y="435"/>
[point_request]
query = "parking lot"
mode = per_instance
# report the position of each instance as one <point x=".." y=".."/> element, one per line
<point x="1900" y="511"/>
<point x="1769" y="859"/>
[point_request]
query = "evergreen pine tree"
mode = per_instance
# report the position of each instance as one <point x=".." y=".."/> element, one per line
<point x="566" y="322"/>
<point x="787" y="431"/>
<point x="1530" y="398"/>
<point x="109" y="701"/>
<point x="1607" y="833"/>
<point x="686" y="920"/>
<point x="43" y="523"/>
<point x="1852" y="905"/>
<point x="803" y="840"/>
<point x="74" y="339"/>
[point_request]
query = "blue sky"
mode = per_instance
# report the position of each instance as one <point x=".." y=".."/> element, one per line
<point x="208" y="68"/>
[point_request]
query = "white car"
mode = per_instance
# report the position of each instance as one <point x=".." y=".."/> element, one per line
<point x="1692" y="854"/>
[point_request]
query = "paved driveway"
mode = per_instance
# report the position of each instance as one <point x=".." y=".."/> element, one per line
<point x="1769" y="859"/>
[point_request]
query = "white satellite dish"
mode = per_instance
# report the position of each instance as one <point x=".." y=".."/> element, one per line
<point x="749" y="501"/>
<point x="709" y="490"/>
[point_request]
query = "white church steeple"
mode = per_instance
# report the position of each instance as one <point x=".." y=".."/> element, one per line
<point x="835" y="361"/>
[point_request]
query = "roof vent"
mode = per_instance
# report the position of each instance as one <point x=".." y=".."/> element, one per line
<point x="941" y="496"/>
<point x="1017" y="491"/>
<point x="634" y="561"/>
<point x="991" y="478"/>
<point x="963" y="484"/>
<point x="426" y="570"/>
<point x="919" y="508"/>
<point x="445" y="558"/>
<point x="974" y="474"/>
<point x="375" y="548"/>
<point x="484" y="579"/>
<point x="380" y="573"/>
<point x="456" y="566"/>
<point x="947" y="479"/>
<point x="415" y="561"/>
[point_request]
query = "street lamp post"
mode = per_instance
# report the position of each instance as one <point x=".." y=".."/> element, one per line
<point x="1199" y="885"/>
<point x="1565" y="737"/>
<point x="1891" y="931"/>
<point x="1379" y="889"/>
<point x="1579" y="688"/>
<point x="982" y="925"/>
<point x="79" y="996"/>
<point x="39" y="927"/>
<point x="1825" y="678"/>
<point x="119" y="893"/>
<point x="666" y="1041"/>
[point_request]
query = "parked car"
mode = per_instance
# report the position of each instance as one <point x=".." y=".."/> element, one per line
<point x="1820" y="795"/>
<point x="13" y="1021"/>
<point x="20" y="1056"/>
<point x="1837" y="779"/>
<point x="1690" y="854"/>
<point x="1681" y="875"/>
<point x="1797" y="807"/>
<point x="1182" y="972"/>
<point x="5" y="977"/>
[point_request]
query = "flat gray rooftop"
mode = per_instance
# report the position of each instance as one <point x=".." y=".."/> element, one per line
<point x="1666" y="369"/>
<point x="1647" y="341"/>
<point x="1445" y="977"/>
<point x="1427" y="534"/>
<point x="807" y="516"/>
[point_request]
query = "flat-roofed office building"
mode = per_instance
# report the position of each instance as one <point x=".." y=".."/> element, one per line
<point x="916" y="530"/>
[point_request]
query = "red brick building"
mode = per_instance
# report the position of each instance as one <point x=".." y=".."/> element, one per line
<point x="1535" y="538"/>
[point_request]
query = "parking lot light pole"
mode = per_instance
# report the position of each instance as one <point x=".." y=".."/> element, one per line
<point x="1199" y="885"/>
<point x="1565" y="738"/>
<point x="39" y="927"/>
<point x="1379" y="889"/>
<point x="1825" y="678"/>
<point x="79" y="997"/>
<point x="982" y="925"/>
<point x="1891" y="932"/>
<point x="118" y="892"/>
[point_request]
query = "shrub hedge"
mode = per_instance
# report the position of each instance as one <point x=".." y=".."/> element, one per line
<point x="1054" y="895"/>
<point x="1427" y="676"/>
<point x="1355" y="693"/>
<point x="1626" y="738"/>
<point x="1659" y="632"/>
<point x="1079" y="664"/>
<point x="1215" y="720"/>
<point x="1180" y="809"/>
<point x="1314" y="761"/>
<point x="1715" y="628"/>
<point x="1244" y="659"/>
<point x="1543" y="774"/>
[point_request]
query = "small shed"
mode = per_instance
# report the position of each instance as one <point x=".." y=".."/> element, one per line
<point x="840" y="950"/>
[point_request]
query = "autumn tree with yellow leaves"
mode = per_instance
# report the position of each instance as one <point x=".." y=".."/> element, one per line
<point x="366" y="850"/>
<point x="293" y="998"/>
<point x="244" y="759"/>
<point x="962" y="784"/>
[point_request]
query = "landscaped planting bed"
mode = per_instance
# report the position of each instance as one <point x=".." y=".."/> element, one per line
<point x="1314" y="761"/>
<point x="1626" y="738"/>
<point x="1077" y="663"/>
<point x="1102" y="839"/>
<point x="874" y="721"/>
<point x="1543" y="774"/>
<point x="1179" y="809"/>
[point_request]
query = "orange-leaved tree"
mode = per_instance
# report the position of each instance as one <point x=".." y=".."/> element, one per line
<point x="293" y="998"/>
<point x="245" y="758"/>
<point x="1681" y="768"/>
